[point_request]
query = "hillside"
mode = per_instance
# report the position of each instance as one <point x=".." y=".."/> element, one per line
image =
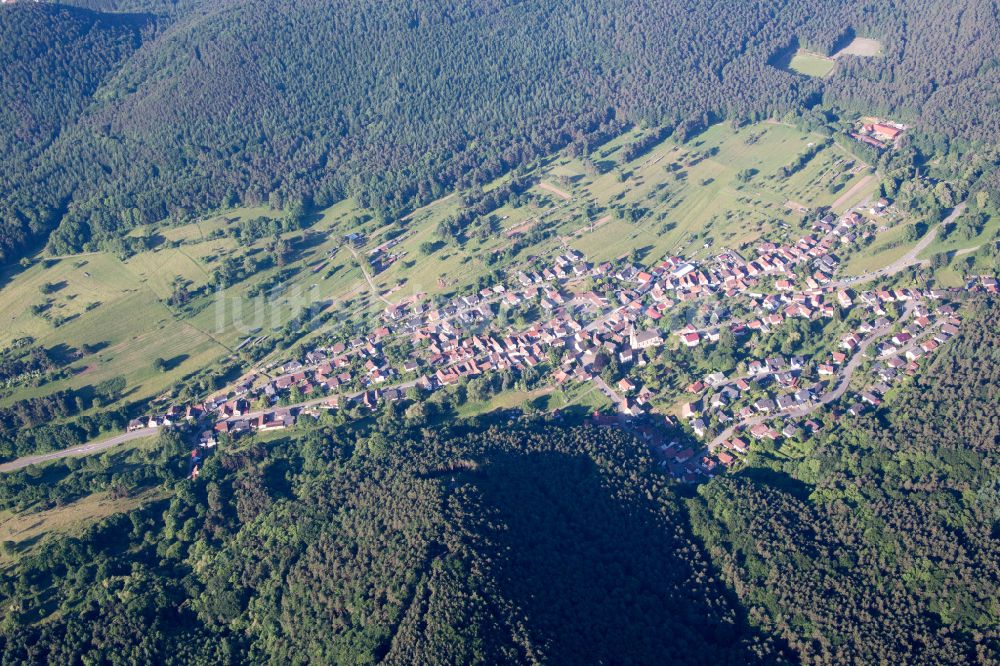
<point x="237" y="103"/>
<point x="118" y="307"/>
<point x="528" y="545"/>
<point x="500" y="332"/>
<point x="433" y="95"/>
<point x="934" y="69"/>
<point x="53" y="60"/>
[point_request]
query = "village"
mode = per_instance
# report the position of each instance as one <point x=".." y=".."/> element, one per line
<point x="604" y="324"/>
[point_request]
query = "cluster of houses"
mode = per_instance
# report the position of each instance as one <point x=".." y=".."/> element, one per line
<point x="582" y="330"/>
<point x="792" y="387"/>
<point x="174" y="415"/>
<point x="878" y="133"/>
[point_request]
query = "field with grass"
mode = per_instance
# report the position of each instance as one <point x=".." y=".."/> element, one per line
<point x="722" y="188"/>
<point x="958" y="242"/>
<point x="887" y="248"/>
<point x="32" y="526"/>
<point x="811" y="64"/>
<point x="672" y="198"/>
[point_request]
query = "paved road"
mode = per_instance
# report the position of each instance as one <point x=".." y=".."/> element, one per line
<point x="603" y="387"/>
<point x="844" y="380"/>
<point x="91" y="448"/>
<point x="908" y="259"/>
<point x="87" y="449"/>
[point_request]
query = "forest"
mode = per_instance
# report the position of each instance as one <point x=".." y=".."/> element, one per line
<point x="532" y="542"/>
<point x="227" y="103"/>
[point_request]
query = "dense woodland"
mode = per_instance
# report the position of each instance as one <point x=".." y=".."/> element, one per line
<point x="938" y="69"/>
<point x="235" y="102"/>
<point x="530" y="543"/>
<point x="881" y="544"/>
<point x="53" y="61"/>
<point x="531" y="540"/>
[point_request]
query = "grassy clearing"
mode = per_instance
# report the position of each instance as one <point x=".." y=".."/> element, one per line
<point x="948" y="276"/>
<point x="542" y="398"/>
<point x="69" y="519"/>
<point x="107" y="304"/>
<point x="957" y="241"/>
<point x="887" y="248"/>
<point x="811" y="64"/>
<point x="587" y="396"/>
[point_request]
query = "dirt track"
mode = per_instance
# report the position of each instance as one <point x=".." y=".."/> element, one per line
<point x="555" y="190"/>
<point x="844" y="200"/>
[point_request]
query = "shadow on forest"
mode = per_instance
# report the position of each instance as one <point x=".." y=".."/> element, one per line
<point x="777" y="480"/>
<point x="599" y="579"/>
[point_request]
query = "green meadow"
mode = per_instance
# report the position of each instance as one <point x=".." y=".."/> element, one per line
<point x="811" y="64"/>
<point x="722" y="188"/>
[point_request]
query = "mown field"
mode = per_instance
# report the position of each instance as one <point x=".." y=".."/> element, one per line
<point x="811" y="64"/>
<point x="722" y="188"/>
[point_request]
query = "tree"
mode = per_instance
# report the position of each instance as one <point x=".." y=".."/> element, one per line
<point x="110" y="390"/>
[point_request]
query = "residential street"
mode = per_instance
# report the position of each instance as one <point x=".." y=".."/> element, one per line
<point x="843" y="381"/>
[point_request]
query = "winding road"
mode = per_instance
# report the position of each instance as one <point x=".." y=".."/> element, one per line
<point x="844" y="381"/>
<point x="908" y="259"/>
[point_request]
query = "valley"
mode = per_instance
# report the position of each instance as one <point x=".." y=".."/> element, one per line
<point x="499" y="332"/>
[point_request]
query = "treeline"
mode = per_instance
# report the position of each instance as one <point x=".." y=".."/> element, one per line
<point x="30" y="412"/>
<point x="478" y="203"/>
<point x="117" y="473"/>
<point x="45" y="423"/>
<point x="875" y="541"/>
<point x="641" y="145"/>
<point x="239" y="104"/>
<point x="22" y="360"/>
<point x="235" y="104"/>
<point x="802" y="159"/>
